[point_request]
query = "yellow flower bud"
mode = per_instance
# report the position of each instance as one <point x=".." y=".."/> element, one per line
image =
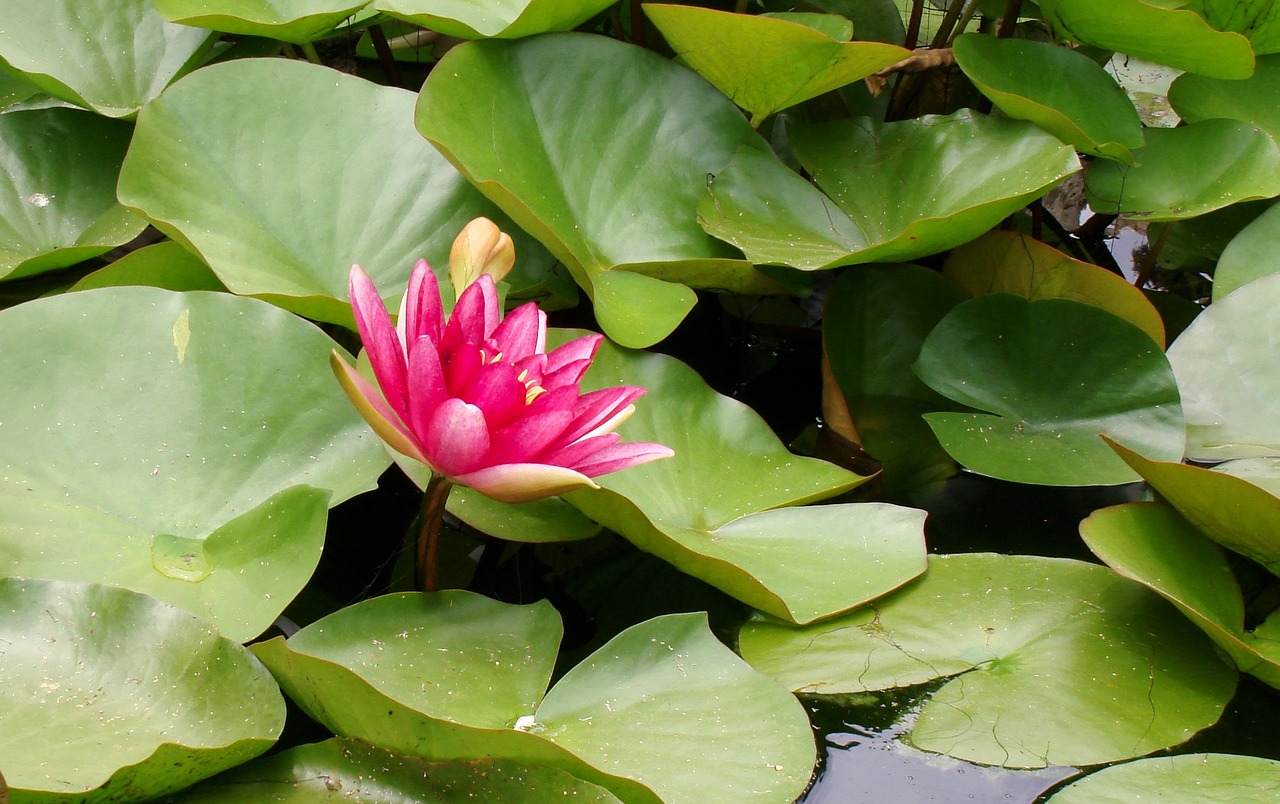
<point x="481" y="248"/>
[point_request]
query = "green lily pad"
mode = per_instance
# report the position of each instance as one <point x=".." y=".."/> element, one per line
<point x="297" y="21"/>
<point x="1050" y="375"/>
<point x="662" y="712"/>
<point x="1188" y="171"/>
<point x="716" y="510"/>
<point x="355" y="772"/>
<point x="1225" y="370"/>
<point x="1064" y="92"/>
<point x="112" y="56"/>
<point x="1011" y="262"/>
<point x="1250" y="255"/>
<point x="506" y="19"/>
<point x="1255" y="99"/>
<point x="1125" y="672"/>
<point x="1156" y="31"/>
<point x="1238" y="514"/>
<point x="282" y="174"/>
<point x="1151" y="544"/>
<point x="1259" y="20"/>
<point x="765" y="63"/>
<point x="1189" y="778"/>
<point x="59" y="207"/>
<point x="894" y="191"/>
<point x="162" y="265"/>
<point x="156" y="442"/>
<point x="113" y="696"/>
<point x="606" y="170"/>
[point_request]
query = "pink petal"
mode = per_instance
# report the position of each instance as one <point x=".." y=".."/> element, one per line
<point x="583" y="348"/>
<point x="427" y="389"/>
<point x="568" y="374"/>
<point x="461" y="366"/>
<point x="621" y="456"/>
<point x="521" y="331"/>
<point x="558" y="399"/>
<point x="457" y="438"/>
<point x="519" y="442"/>
<point x="474" y="317"/>
<point x="524" y="482"/>
<point x="420" y="310"/>
<point x="601" y="411"/>
<point x="374" y="409"/>
<point x="497" y="392"/>
<point x="571" y="455"/>
<point x="380" y="339"/>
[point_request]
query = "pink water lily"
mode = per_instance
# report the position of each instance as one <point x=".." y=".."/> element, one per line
<point x="479" y="399"/>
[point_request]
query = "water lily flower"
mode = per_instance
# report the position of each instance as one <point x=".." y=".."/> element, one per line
<point x="479" y="399"/>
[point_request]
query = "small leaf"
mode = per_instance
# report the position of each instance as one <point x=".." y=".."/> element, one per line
<point x="161" y="265"/>
<point x="1199" y="778"/>
<point x="507" y="19"/>
<point x="1255" y="99"/>
<point x="1249" y="256"/>
<point x="297" y="21"/>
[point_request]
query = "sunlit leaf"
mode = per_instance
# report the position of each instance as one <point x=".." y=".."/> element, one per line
<point x="162" y="265"/>
<point x="1188" y="171"/>
<point x="1198" y="778"/>
<point x="1255" y="99"/>
<point x="181" y="465"/>
<point x="763" y="63"/>
<point x="1062" y="91"/>
<point x="110" y="695"/>
<point x="508" y="19"/>
<point x="621" y="719"/>
<point x="1156" y="31"/>
<point x="1010" y="262"/>
<point x="1156" y="547"/>
<point x="1125" y="672"/>
<point x="1250" y="255"/>
<point x="606" y="170"/>
<point x="1050" y="375"/>
<point x="58" y="170"/>
<point x="893" y="191"/>
<point x="111" y="56"/>
<point x="282" y="174"/>
<point x="297" y="21"/>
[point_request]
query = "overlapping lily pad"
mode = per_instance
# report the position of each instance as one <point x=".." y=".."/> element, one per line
<point x="112" y="56"/>
<point x="356" y="772"/>
<point x="163" y="265"/>
<point x="766" y="64"/>
<point x="1127" y="674"/>
<point x="1153" y="545"/>
<point x="453" y="675"/>
<point x="1225" y="366"/>
<point x="507" y="19"/>
<point x="1050" y="375"/>
<point x="1062" y="91"/>
<point x="182" y="466"/>
<point x="110" y="695"/>
<point x="297" y="21"/>
<point x="1155" y="31"/>
<point x="58" y="168"/>
<point x="1259" y="20"/>
<point x="1188" y="171"/>
<point x="601" y="150"/>
<point x="1199" y="778"/>
<point x="716" y="510"/>
<point x="1255" y="99"/>
<point x="1250" y="255"/>
<point x="280" y="175"/>
<point x="893" y="191"/>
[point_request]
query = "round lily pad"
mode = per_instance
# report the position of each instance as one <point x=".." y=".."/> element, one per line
<point x="156" y="441"/>
<point x="1255" y="99"/>
<point x="1250" y="255"/>
<point x="1051" y="375"/>
<point x="1179" y="779"/>
<point x="507" y="19"/>
<point x="1050" y="661"/>
<point x="297" y="21"/>
<point x="109" y="695"/>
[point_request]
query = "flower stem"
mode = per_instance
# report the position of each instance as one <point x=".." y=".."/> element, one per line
<point x="430" y="516"/>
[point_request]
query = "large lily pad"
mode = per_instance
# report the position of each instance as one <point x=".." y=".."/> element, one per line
<point x="1011" y="262"/>
<point x="507" y="19"/>
<point x="1050" y="375"/>
<point x="1153" y="545"/>
<point x="1236" y="513"/>
<point x="445" y="676"/>
<point x="766" y="64"/>
<point x="1250" y="255"/>
<point x="58" y="170"/>
<point x="1188" y="171"/>
<point x="1064" y="92"/>
<point x="1191" y="778"/>
<point x="716" y="510"/>
<point x="109" y="695"/>
<point x="282" y="174"/>
<point x="1259" y="20"/>
<point x="297" y="21"/>
<point x="1125" y="672"/>
<point x="893" y="191"/>
<point x="1226" y="372"/>
<point x="156" y="442"/>
<point x="112" y="56"/>
<point x="601" y="150"/>
<point x="354" y="772"/>
<point x="1255" y="99"/>
<point x="1154" y="31"/>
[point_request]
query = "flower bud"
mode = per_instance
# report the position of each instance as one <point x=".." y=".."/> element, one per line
<point x="481" y="248"/>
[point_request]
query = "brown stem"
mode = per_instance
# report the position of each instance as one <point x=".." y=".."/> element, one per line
<point x="1010" y="19"/>
<point x="383" y="48"/>
<point x="430" y="516"/>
